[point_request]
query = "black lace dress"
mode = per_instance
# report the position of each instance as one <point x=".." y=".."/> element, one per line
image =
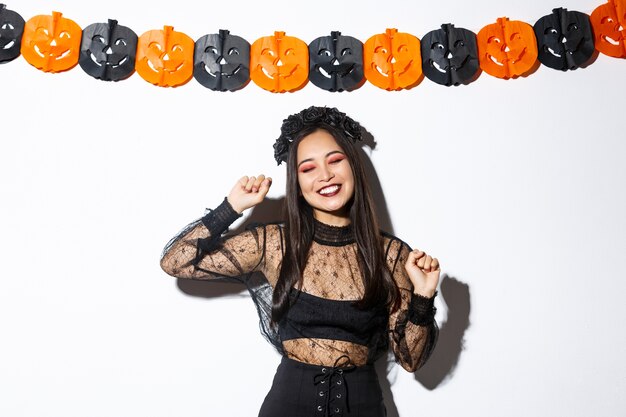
<point x="323" y="333"/>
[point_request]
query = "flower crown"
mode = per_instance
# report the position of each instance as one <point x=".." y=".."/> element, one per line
<point x="309" y="117"/>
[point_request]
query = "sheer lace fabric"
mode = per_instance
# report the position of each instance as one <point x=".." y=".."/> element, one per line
<point x="331" y="281"/>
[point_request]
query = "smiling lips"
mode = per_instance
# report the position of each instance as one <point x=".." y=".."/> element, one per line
<point x="330" y="190"/>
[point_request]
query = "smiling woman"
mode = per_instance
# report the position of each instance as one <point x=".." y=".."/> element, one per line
<point x="337" y="292"/>
<point x="325" y="177"/>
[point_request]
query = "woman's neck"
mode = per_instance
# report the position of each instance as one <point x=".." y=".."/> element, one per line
<point x="332" y="218"/>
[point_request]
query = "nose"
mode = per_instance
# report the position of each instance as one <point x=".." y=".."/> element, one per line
<point x="326" y="174"/>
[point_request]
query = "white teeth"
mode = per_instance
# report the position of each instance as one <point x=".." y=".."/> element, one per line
<point x="329" y="190"/>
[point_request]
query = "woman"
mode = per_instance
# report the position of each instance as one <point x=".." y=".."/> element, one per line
<point x="335" y="292"/>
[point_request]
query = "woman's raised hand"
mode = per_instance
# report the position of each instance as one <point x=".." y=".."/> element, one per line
<point x="248" y="192"/>
<point x="423" y="272"/>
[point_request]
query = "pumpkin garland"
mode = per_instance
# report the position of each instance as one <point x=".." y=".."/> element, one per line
<point x="609" y="26"/>
<point x="392" y="60"/>
<point x="450" y="56"/>
<point x="107" y="51"/>
<point x="11" y="30"/>
<point x="279" y="63"/>
<point x="507" y="49"/>
<point x="51" y="43"/>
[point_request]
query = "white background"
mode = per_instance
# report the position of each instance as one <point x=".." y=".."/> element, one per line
<point x="517" y="186"/>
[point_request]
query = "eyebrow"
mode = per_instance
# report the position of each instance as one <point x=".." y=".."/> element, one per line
<point x="327" y="155"/>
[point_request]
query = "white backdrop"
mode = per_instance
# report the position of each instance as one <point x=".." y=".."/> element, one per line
<point x="517" y="186"/>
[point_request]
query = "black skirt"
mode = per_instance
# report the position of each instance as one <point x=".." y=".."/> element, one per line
<point x="303" y="390"/>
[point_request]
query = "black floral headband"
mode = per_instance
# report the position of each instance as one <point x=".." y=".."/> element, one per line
<point x="313" y="116"/>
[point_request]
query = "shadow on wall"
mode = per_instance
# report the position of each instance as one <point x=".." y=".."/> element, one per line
<point x="455" y="294"/>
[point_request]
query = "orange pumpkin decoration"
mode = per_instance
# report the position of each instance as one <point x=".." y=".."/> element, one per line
<point x="609" y="22"/>
<point x="507" y="49"/>
<point x="279" y="63"/>
<point x="165" y="57"/>
<point x="393" y="60"/>
<point x="51" y="43"/>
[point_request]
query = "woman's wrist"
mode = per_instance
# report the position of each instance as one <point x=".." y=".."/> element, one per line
<point x="218" y="220"/>
<point x="424" y="292"/>
<point x="235" y="207"/>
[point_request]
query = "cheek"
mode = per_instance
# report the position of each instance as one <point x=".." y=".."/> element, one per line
<point x="304" y="184"/>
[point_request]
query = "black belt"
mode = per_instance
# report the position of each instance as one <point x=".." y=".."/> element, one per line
<point x="333" y="394"/>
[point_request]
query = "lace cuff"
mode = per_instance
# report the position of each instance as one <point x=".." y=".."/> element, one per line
<point x="218" y="220"/>
<point x="422" y="310"/>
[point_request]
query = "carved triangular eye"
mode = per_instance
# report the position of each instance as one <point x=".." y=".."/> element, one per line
<point x="120" y="42"/>
<point x="233" y="51"/>
<point x="211" y="50"/>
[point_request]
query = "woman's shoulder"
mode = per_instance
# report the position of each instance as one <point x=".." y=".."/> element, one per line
<point x="393" y="244"/>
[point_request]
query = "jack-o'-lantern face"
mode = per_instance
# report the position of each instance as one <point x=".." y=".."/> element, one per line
<point x="11" y="29"/>
<point x="450" y="55"/>
<point x="609" y="26"/>
<point x="564" y="39"/>
<point x="221" y="61"/>
<point x="392" y="60"/>
<point x="507" y="49"/>
<point x="51" y="43"/>
<point x="107" y="51"/>
<point x="336" y="62"/>
<point x="279" y="63"/>
<point x="165" y="57"/>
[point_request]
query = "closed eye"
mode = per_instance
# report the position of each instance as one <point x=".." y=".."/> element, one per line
<point x="307" y="168"/>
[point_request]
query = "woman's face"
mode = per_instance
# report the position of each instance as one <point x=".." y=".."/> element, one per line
<point x="325" y="177"/>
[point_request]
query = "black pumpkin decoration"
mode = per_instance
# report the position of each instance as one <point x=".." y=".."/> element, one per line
<point x="107" y="51"/>
<point x="450" y="55"/>
<point x="11" y="30"/>
<point x="222" y="61"/>
<point x="564" y="39"/>
<point x="336" y="62"/>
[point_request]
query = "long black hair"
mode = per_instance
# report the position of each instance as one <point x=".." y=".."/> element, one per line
<point x="379" y="287"/>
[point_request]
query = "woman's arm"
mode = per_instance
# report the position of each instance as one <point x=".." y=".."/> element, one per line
<point x="413" y="330"/>
<point x="200" y="252"/>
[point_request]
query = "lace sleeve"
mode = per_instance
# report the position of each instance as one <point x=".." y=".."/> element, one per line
<point x="413" y="329"/>
<point x="200" y="252"/>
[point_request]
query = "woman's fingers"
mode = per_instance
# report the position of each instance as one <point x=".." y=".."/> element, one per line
<point x="252" y="184"/>
<point x="249" y="184"/>
<point x="257" y="183"/>
<point x="265" y="185"/>
<point x="422" y="260"/>
<point x="435" y="264"/>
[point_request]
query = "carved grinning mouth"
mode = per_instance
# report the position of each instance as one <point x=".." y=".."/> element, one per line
<point x="43" y="55"/>
<point x="394" y="71"/>
<point x="9" y="45"/>
<point x="438" y="68"/>
<point x="342" y="69"/>
<point x="611" y="40"/>
<point x="553" y="52"/>
<point x="267" y="74"/>
<point x="171" y="70"/>
<point x="495" y="60"/>
<point x="108" y="64"/>
<point x="223" y="74"/>
<point x="279" y="73"/>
